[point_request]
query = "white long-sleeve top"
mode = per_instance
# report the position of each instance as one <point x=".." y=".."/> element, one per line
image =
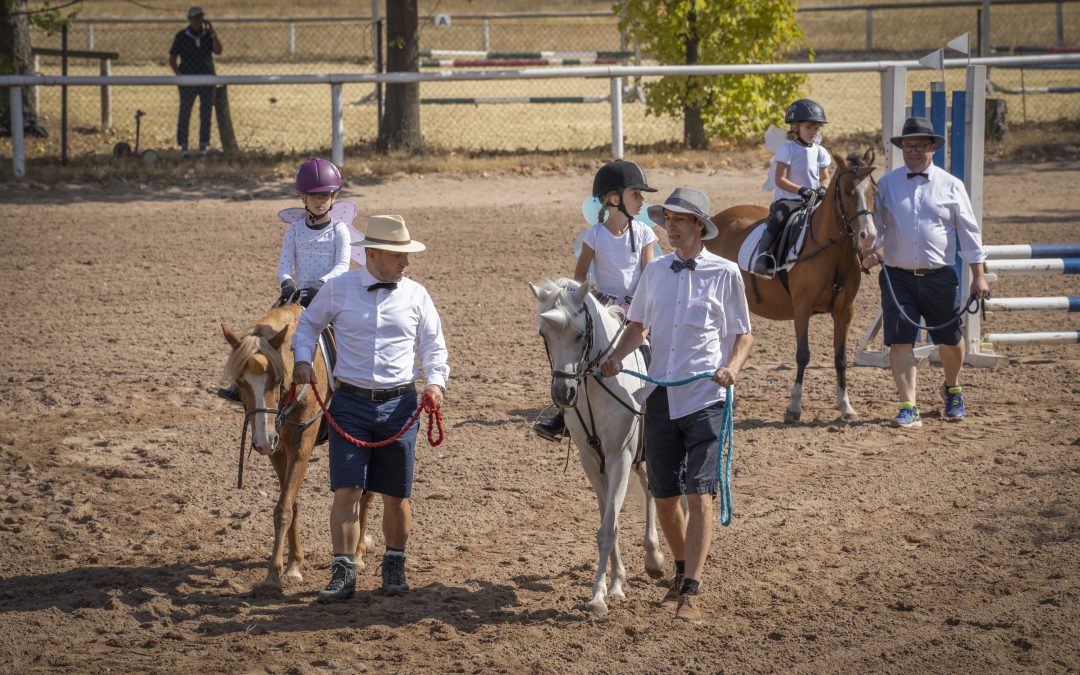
<point x="379" y="333"/>
<point x="310" y="256"/>
<point x="919" y="220"/>
<point x="693" y="317"/>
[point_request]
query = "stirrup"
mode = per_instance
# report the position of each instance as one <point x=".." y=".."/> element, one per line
<point x="770" y="270"/>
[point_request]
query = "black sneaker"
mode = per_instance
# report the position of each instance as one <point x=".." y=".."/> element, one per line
<point x="230" y="393"/>
<point x="342" y="584"/>
<point x="553" y="429"/>
<point x="393" y="575"/>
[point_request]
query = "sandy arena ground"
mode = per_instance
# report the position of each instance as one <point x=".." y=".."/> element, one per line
<point x="854" y="547"/>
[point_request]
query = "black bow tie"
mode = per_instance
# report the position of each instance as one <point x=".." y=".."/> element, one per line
<point x="912" y="174"/>
<point x="388" y="285"/>
<point x="678" y="265"/>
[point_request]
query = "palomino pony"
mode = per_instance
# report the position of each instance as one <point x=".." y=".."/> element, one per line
<point x="602" y="419"/>
<point x="826" y="276"/>
<point x="261" y="364"/>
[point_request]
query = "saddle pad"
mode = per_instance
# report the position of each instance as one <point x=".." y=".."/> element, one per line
<point x="749" y="246"/>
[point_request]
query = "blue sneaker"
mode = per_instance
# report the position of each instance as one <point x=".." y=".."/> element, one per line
<point x="954" y="403"/>
<point x="908" y="418"/>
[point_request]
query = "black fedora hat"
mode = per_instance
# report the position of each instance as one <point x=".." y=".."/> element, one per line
<point x="918" y="126"/>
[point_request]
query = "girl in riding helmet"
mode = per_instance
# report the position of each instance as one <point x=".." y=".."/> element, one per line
<point x="801" y="171"/>
<point x="315" y="248"/>
<point x="617" y="248"/>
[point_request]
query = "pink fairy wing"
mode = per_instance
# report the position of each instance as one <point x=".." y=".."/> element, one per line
<point x="291" y="215"/>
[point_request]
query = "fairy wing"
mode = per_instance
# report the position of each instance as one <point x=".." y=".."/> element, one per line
<point x="343" y="211"/>
<point x="774" y="138"/>
<point x="590" y="209"/>
<point x="291" y="215"/>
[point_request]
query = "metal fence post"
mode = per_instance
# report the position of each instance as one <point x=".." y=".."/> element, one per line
<point x="106" y="95"/>
<point x="616" y="118"/>
<point x="869" y="29"/>
<point x="337" y="113"/>
<point x="487" y="34"/>
<point x="18" y="151"/>
<point x="292" y="38"/>
<point x="90" y="35"/>
<point x="34" y="89"/>
<point x="893" y="99"/>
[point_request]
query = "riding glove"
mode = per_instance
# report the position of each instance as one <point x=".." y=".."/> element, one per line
<point x="806" y="193"/>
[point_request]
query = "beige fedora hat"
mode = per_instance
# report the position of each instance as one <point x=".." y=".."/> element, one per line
<point x="388" y="233"/>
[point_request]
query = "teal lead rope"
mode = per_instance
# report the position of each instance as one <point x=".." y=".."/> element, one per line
<point x="727" y="437"/>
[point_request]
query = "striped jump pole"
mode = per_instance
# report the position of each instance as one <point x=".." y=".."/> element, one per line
<point x="504" y="100"/>
<point x="469" y="54"/>
<point x="1035" y="266"/>
<point x="1033" y="251"/>
<point x="1050" y="303"/>
<point x="517" y="63"/>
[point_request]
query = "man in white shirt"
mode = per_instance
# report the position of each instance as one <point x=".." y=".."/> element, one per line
<point x="921" y="211"/>
<point x="383" y="323"/>
<point x="692" y="302"/>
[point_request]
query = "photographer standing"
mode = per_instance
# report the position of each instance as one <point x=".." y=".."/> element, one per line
<point x="192" y="53"/>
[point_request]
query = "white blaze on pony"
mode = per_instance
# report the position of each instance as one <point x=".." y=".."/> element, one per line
<point x="603" y="419"/>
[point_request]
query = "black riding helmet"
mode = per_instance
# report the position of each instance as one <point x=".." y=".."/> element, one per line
<point x="617" y="176"/>
<point x="804" y="110"/>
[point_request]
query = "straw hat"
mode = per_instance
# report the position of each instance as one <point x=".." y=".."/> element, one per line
<point x="388" y="233"/>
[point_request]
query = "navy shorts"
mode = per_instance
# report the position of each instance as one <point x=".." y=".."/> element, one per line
<point x="681" y="454"/>
<point x="933" y="297"/>
<point x="387" y="470"/>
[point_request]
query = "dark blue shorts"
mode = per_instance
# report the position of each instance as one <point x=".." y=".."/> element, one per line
<point x="933" y="297"/>
<point x="681" y="454"/>
<point x="387" y="470"/>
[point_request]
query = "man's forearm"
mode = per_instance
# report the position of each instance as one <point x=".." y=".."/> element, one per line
<point x="631" y="339"/>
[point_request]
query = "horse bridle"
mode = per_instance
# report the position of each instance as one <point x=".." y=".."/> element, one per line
<point x="849" y="230"/>
<point x="280" y="418"/>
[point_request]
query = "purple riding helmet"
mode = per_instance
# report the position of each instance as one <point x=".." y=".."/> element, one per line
<point x="317" y="175"/>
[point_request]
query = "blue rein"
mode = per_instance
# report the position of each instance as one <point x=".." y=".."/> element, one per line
<point x="727" y="436"/>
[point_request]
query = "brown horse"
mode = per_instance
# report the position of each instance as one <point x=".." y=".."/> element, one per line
<point x="261" y="364"/>
<point x="826" y="276"/>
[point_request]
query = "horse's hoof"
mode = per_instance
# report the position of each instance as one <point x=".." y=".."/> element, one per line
<point x="294" y="575"/>
<point x="597" y="606"/>
<point x="616" y="593"/>
<point x="655" y="573"/>
<point x="849" y="416"/>
<point x="791" y="417"/>
<point x="270" y="584"/>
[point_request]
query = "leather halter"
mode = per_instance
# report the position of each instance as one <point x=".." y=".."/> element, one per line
<point x="848" y="230"/>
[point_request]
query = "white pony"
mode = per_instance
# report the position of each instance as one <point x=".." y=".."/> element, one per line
<point x="602" y="418"/>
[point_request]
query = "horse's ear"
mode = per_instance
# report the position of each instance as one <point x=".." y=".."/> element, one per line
<point x="582" y="291"/>
<point x="230" y="336"/>
<point x="838" y="160"/>
<point x="279" y="338"/>
<point x="868" y="158"/>
<point x="541" y="294"/>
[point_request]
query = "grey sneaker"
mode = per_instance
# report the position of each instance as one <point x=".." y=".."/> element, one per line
<point x="342" y="584"/>
<point x="393" y="575"/>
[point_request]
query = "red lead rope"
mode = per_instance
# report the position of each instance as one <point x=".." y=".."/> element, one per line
<point x="426" y="403"/>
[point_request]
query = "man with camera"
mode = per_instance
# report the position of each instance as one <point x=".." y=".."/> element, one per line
<point x="192" y="53"/>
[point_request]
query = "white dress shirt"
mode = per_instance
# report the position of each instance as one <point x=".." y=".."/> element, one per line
<point x="311" y="255"/>
<point x="379" y="333"/>
<point x="693" y="317"/>
<point x="616" y="267"/>
<point x="920" y="219"/>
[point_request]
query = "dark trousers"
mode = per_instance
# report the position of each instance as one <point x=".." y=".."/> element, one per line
<point x="206" y="110"/>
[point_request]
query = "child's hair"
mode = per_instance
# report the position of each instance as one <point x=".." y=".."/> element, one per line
<point x="604" y="208"/>
<point x="793" y="132"/>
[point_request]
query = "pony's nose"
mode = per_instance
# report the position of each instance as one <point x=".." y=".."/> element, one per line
<point x="268" y="446"/>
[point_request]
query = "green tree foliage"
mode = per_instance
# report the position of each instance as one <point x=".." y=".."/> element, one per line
<point x="677" y="32"/>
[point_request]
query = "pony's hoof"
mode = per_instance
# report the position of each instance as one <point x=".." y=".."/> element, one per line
<point x="792" y="417"/>
<point x="850" y="416"/>
<point x="270" y="583"/>
<point x="596" y="606"/>
<point x="655" y="573"/>
<point x="294" y="575"/>
<point x="616" y="593"/>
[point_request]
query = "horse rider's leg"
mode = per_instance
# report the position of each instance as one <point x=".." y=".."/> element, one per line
<point x="654" y="557"/>
<point x="904" y="370"/>
<point x="397" y="521"/>
<point x="761" y="264"/>
<point x="294" y="478"/>
<point x="698" y="533"/>
<point x="841" y="323"/>
<point x="276" y="568"/>
<point x="607" y="537"/>
<point x="802" y="359"/>
<point x="364" y="544"/>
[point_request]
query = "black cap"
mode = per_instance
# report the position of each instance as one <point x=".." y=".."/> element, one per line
<point x="617" y="175"/>
<point x="804" y="110"/>
<point x="918" y="126"/>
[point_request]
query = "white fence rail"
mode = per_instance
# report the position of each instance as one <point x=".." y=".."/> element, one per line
<point x="892" y="72"/>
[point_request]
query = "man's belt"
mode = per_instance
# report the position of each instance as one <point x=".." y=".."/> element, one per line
<point x="922" y="271"/>
<point x="377" y="395"/>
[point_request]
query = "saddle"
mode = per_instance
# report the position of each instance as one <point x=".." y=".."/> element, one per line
<point x="791" y="236"/>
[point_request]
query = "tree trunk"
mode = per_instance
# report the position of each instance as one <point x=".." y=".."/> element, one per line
<point x="15" y="57"/>
<point x="694" y="136"/>
<point x="400" y="129"/>
<point x="224" y="121"/>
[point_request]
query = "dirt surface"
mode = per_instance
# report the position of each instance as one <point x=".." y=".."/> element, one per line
<point x="854" y="547"/>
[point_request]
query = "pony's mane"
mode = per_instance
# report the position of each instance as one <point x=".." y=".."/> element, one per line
<point x="561" y="288"/>
<point x="257" y="341"/>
